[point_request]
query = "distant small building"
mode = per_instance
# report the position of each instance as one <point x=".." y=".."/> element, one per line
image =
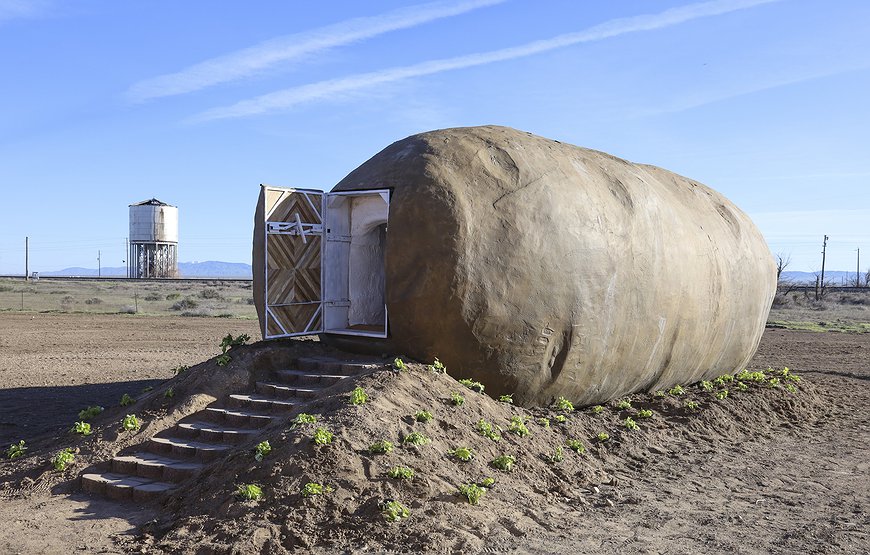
<point x="153" y="251"/>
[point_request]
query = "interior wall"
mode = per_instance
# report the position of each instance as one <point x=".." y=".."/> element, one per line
<point x="368" y="221"/>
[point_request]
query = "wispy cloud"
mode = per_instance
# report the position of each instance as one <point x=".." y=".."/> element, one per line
<point x="255" y="59"/>
<point x="288" y="98"/>
<point x="17" y="9"/>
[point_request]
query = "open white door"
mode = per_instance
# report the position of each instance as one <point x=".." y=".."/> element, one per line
<point x="294" y="254"/>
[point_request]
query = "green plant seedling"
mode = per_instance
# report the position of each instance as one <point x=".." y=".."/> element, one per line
<point x="62" y="459"/>
<point x="506" y="399"/>
<point x="560" y="418"/>
<point x="399" y="365"/>
<point x="472" y="492"/>
<point x="472" y="385"/>
<point x="394" y="511"/>
<point x="16" y="450"/>
<point x="677" y="390"/>
<point x="518" y="426"/>
<point x="487" y="430"/>
<point x="180" y="369"/>
<point x="659" y="393"/>
<point x="126" y="400"/>
<point x="437" y="367"/>
<point x="147" y="389"/>
<point x="557" y="456"/>
<point x="722" y="394"/>
<point x="488" y="482"/>
<point x="630" y="423"/>
<point x="723" y="379"/>
<point x="464" y="454"/>
<point x="504" y="463"/>
<point x="644" y="413"/>
<point x="624" y="404"/>
<point x="380" y="447"/>
<point x="229" y="341"/>
<point x="790" y="388"/>
<point x="563" y="405"/>
<point x="746" y="376"/>
<point x="262" y="450"/>
<point x="456" y="399"/>
<point x="400" y="473"/>
<point x="707" y="386"/>
<point x="90" y="412"/>
<point x="313" y="488"/>
<point x="169" y="393"/>
<point x="416" y="439"/>
<point x="223" y="359"/>
<point x="81" y="428"/>
<point x="602" y="437"/>
<point x="741" y="386"/>
<point x="304" y="418"/>
<point x="249" y="492"/>
<point x="576" y="445"/>
<point x="322" y="436"/>
<point x="773" y="382"/>
<point x="545" y="422"/>
<point x="130" y="423"/>
<point x="597" y="409"/>
<point x="691" y="405"/>
<point x="358" y="396"/>
<point x="422" y="416"/>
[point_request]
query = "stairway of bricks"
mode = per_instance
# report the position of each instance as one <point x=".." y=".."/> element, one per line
<point x="177" y="454"/>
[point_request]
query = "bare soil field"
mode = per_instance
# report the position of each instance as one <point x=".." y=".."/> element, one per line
<point x="756" y="474"/>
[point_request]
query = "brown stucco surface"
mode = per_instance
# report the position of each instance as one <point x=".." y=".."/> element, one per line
<point x="545" y="269"/>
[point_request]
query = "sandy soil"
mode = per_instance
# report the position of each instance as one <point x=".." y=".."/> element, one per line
<point x="785" y="489"/>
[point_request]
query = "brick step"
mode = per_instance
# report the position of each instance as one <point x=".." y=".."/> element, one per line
<point x="123" y="487"/>
<point x="283" y="391"/>
<point x="237" y="417"/>
<point x="304" y="378"/>
<point x="210" y="432"/>
<point x="327" y="365"/>
<point x="185" y="448"/>
<point x="259" y="402"/>
<point x="155" y="467"/>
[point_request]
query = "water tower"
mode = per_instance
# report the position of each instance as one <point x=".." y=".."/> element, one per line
<point x="153" y="240"/>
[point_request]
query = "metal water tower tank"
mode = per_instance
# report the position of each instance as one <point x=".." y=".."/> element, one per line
<point x="153" y="240"/>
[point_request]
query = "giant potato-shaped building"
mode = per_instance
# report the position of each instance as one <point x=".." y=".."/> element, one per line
<point x="543" y="269"/>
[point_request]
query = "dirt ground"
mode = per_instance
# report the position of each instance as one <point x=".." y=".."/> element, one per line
<point x="787" y="489"/>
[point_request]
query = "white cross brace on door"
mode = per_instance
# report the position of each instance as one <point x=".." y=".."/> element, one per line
<point x="297" y="228"/>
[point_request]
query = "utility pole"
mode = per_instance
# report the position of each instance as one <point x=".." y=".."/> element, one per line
<point x="26" y="259"/>
<point x="858" y="270"/>
<point x="99" y="265"/>
<point x="824" y="248"/>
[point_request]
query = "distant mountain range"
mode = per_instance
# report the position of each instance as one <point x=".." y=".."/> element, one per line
<point x="832" y="277"/>
<point x="209" y="269"/>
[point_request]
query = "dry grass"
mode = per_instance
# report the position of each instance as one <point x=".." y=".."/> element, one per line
<point x="836" y="311"/>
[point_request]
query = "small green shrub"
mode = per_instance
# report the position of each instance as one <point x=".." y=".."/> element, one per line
<point x="16" y="450"/>
<point x="507" y="399"/>
<point x="488" y="482"/>
<point x="644" y="413"/>
<point x="130" y="423"/>
<point x="691" y="405"/>
<point x="249" y="492"/>
<point x="545" y="422"/>
<point x="624" y="404"/>
<point x="313" y="488"/>
<point x="415" y="439"/>
<point x="557" y="456"/>
<point x="62" y="459"/>
<point x="518" y="426"/>
<point x="229" y="341"/>
<point x="504" y="462"/>
<point x="400" y="473"/>
<point x="756" y="377"/>
<point x="223" y="359"/>
<point x="773" y="382"/>
<point x="81" y="428"/>
<point x="437" y="367"/>
<point x="464" y="454"/>
<point x="723" y="379"/>
<point x="126" y="400"/>
<point x="262" y="450"/>
<point x="169" y="393"/>
<point x="722" y="394"/>
<point x="472" y="492"/>
<point x="90" y="412"/>
<point x="422" y="416"/>
<point x="322" y="436"/>
<point x="399" y="365"/>
<point x="358" y="396"/>
<point x="380" y="447"/>
<point x="576" y="445"/>
<point x="394" y="511"/>
<point x="707" y="386"/>
<point x="456" y="399"/>
<point x="472" y="385"/>
<point x="560" y="418"/>
<point x="742" y="386"/>
<point x="597" y="409"/>
<point x="563" y="405"/>
<point x="629" y="423"/>
<point x="487" y="430"/>
<point x="677" y="390"/>
<point x="304" y="418"/>
<point x="602" y="437"/>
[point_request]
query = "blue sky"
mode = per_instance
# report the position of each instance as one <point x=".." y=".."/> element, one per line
<point x="107" y="103"/>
